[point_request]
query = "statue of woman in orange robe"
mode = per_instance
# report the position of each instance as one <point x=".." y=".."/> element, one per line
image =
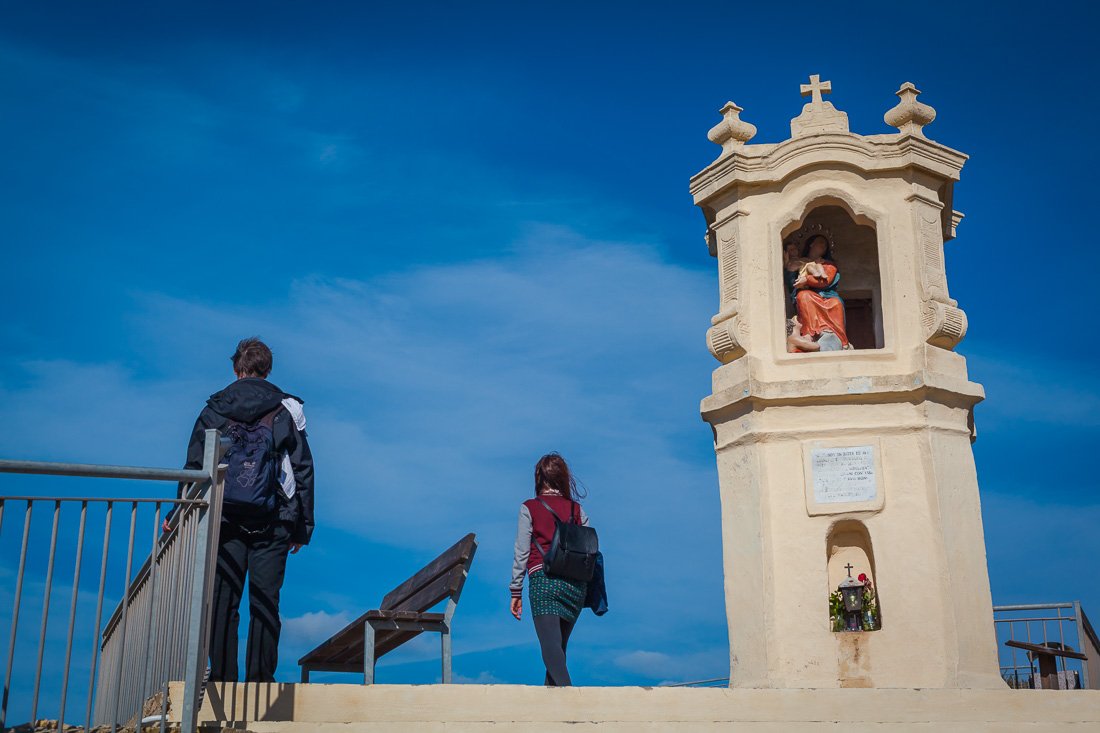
<point x="820" y="308"/>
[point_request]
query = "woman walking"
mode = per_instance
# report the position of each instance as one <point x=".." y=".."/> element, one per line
<point x="555" y="602"/>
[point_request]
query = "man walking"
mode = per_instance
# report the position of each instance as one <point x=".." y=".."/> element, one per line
<point x="267" y="508"/>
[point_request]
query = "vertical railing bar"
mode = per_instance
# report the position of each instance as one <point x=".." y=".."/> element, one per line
<point x="1078" y="614"/>
<point x="72" y="611"/>
<point x="179" y="638"/>
<point x="139" y="665"/>
<point x="187" y="548"/>
<point x="164" y="709"/>
<point x="171" y="665"/>
<point x="130" y="652"/>
<point x="1046" y="636"/>
<point x="188" y="586"/>
<point x="160" y="559"/>
<point x="162" y="609"/>
<point x="206" y="543"/>
<point x="1061" y="637"/>
<point x="173" y="641"/>
<point x="125" y="608"/>
<point x="15" y="612"/>
<point x="168" y="628"/>
<point x="150" y="608"/>
<point x="98" y="614"/>
<point x="45" y="610"/>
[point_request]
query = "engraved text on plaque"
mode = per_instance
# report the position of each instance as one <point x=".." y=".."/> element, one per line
<point x="843" y="475"/>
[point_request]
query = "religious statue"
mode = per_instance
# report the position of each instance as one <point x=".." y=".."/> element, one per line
<point x="812" y="279"/>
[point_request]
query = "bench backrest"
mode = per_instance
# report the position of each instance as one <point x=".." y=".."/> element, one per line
<point x="440" y="579"/>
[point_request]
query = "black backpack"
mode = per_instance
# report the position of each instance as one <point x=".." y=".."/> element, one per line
<point x="252" y="472"/>
<point x="573" y="549"/>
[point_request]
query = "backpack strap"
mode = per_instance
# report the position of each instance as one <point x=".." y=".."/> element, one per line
<point x="557" y="519"/>
<point x="268" y="418"/>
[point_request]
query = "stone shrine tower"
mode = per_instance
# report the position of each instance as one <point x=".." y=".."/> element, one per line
<point x="842" y="417"/>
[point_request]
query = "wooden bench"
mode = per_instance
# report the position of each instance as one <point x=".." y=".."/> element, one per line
<point x="1047" y="655"/>
<point x="402" y="616"/>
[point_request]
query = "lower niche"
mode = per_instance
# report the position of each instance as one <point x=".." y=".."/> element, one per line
<point x="854" y="604"/>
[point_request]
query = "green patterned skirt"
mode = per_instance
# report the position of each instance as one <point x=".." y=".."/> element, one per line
<point x="556" y="596"/>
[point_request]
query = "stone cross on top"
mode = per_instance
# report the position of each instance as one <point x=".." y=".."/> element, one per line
<point x="818" y="116"/>
<point x="814" y="89"/>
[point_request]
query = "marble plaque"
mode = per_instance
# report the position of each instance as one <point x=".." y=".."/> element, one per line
<point x="843" y="475"/>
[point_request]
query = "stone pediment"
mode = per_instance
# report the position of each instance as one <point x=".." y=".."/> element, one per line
<point x="766" y="163"/>
<point x="820" y="136"/>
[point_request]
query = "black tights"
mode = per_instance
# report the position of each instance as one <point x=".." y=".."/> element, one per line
<point x="553" y="633"/>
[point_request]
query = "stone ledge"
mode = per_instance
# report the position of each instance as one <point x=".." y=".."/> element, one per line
<point x="914" y="387"/>
<point x="268" y="707"/>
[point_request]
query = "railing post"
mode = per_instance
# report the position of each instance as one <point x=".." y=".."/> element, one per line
<point x="15" y="612"/>
<point x="206" y="556"/>
<point x="1082" y="640"/>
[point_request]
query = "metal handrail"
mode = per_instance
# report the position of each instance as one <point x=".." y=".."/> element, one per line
<point x="96" y="470"/>
<point x="698" y="683"/>
<point x="104" y="499"/>
<point x="1078" y="626"/>
<point x="164" y="544"/>
<point x="169" y="626"/>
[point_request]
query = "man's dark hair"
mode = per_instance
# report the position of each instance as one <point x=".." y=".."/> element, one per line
<point x="252" y="358"/>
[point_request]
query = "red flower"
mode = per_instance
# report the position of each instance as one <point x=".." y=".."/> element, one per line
<point x="863" y="577"/>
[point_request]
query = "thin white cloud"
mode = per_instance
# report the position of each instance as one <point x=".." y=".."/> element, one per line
<point x="669" y="668"/>
<point x="313" y="627"/>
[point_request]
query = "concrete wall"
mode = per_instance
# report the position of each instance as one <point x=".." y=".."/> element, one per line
<point x="288" y="708"/>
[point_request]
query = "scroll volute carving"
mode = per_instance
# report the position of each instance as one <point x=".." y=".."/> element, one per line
<point x="725" y="338"/>
<point x="943" y="321"/>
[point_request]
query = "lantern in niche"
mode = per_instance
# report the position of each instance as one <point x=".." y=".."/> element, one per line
<point x="851" y="593"/>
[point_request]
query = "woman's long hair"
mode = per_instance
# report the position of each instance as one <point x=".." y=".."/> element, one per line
<point x="552" y="476"/>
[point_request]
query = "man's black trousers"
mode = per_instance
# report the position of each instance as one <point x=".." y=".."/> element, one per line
<point x="257" y="550"/>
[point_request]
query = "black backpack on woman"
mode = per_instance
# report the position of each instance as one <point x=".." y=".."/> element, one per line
<point x="573" y="549"/>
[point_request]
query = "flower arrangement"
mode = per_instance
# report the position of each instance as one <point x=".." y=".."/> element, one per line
<point x="870" y="619"/>
<point x="836" y="611"/>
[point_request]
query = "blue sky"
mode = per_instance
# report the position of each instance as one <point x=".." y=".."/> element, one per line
<point x="466" y="233"/>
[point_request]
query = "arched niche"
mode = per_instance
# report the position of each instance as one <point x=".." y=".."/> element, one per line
<point x="855" y="252"/>
<point x="849" y="543"/>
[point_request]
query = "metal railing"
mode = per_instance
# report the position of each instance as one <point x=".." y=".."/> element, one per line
<point x="1062" y="626"/>
<point x="158" y="631"/>
<point x="714" y="682"/>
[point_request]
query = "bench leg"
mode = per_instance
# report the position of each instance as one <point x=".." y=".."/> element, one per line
<point x="445" y="640"/>
<point x="368" y="654"/>
<point x="305" y="674"/>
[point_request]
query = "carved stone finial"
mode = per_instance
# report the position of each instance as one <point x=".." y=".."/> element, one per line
<point x="732" y="131"/>
<point x="818" y="116"/>
<point x="909" y="115"/>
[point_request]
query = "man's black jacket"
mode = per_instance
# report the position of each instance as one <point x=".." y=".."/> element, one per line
<point x="246" y="401"/>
